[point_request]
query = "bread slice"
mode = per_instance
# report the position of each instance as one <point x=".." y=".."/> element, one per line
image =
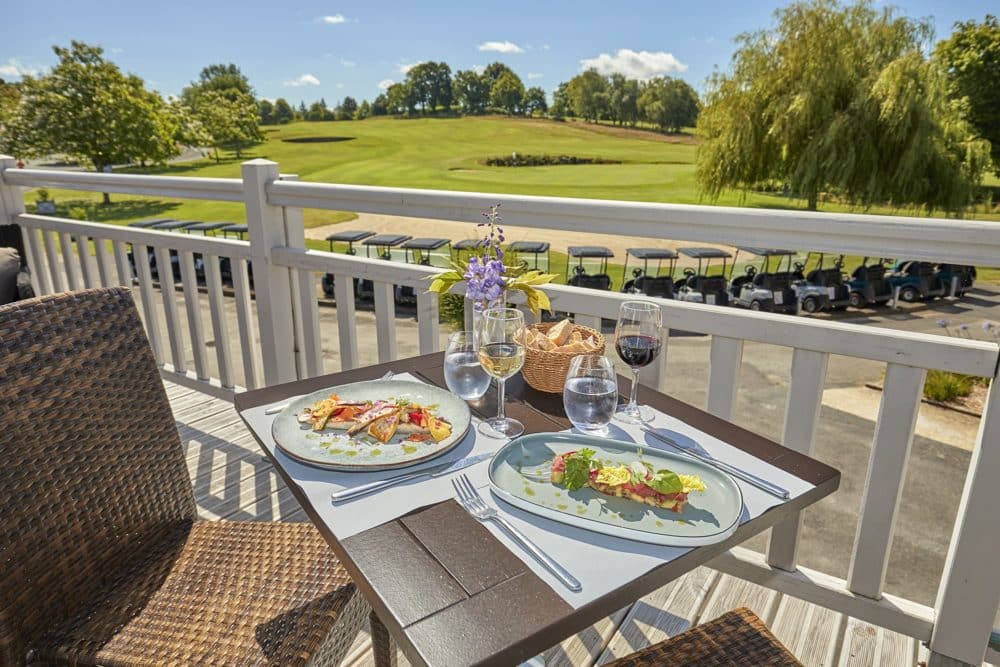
<point x="560" y="333"/>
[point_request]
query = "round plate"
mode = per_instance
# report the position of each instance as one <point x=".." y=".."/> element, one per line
<point x="330" y="449"/>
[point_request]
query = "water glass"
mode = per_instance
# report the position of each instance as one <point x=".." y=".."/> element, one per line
<point x="463" y="373"/>
<point x="590" y="394"/>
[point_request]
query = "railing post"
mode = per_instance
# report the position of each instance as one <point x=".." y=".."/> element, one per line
<point x="969" y="595"/>
<point x="266" y="227"/>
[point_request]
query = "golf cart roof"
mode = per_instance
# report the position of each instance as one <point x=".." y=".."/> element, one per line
<point x="174" y="224"/>
<point x="705" y="253"/>
<point x="350" y="236"/>
<point x="426" y="243"/>
<point x="766" y="252"/>
<point x="652" y="253"/>
<point x="142" y="224"/>
<point x="386" y="240"/>
<point x="586" y="251"/>
<point x="236" y="228"/>
<point x="206" y="226"/>
<point x="536" y="247"/>
<point x="467" y="244"/>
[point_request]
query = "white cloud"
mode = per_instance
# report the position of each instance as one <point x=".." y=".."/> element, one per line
<point x="406" y="67"/>
<point x="501" y="47"/>
<point x="348" y="63"/>
<point x="304" y="80"/>
<point x="333" y="19"/>
<point x="640" y="65"/>
<point x="545" y="47"/>
<point x="14" y="67"/>
<point x="385" y="83"/>
<point x="535" y="75"/>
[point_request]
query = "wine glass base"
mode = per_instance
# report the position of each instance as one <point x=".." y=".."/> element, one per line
<point x="642" y="415"/>
<point x="501" y="428"/>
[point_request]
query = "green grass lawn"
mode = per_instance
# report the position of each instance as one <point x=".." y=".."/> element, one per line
<point x="446" y="153"/>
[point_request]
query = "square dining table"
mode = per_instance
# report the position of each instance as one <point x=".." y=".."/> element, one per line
<point x="447" y="589"/>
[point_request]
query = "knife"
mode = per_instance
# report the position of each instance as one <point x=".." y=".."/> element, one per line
<point x="354" y="492"/>
<point x="747" y="477"/>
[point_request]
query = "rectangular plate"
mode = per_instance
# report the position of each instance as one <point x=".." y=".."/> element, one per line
<point x="708" y="517"/>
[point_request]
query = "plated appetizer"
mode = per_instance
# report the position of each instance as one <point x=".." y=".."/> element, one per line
<point x="636" y="481"/>
<point x="381" y="420"/>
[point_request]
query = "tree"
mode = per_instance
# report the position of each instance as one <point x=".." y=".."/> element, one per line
<point x="283" y="111"/>
<point x="430" y="85"/>
<point x="380" y="105"/>
<point x="400" y="99"/>
<point x="670" y="104"/>
<point x="588" y="95"/>
<point x="319" y="111"/>
<point x="266" y="109"/>
<point x="10" y="97"/>
<point x="623" y="99"/>
<point x="230" y="123"/>
<point x="87" y="109"/>
<point x="534" y="100"/>
<point x="507" y="93"/>
<point x="300" y="114"/>
<point x="971" y="57"/>
<point x="472" y="91"/>
<point x="225" y="79"/>
<point x="347" y="108"/>
<point x="840" y="99"/>
<point x="492" y="73"/>
<point x="561" y="104"/>
<point x="364" y="110"/>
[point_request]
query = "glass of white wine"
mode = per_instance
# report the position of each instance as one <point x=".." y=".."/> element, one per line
<point x="501" y="353"/>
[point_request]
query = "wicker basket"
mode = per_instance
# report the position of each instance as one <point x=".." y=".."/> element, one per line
<point x="546" y="370"/>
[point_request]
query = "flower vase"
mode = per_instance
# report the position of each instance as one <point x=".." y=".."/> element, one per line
<point x="478" y="306"/>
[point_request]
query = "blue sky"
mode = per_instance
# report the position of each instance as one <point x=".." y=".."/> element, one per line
<point x="307" y="49"/>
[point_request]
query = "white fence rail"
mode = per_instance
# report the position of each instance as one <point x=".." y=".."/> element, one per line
<point x="278" y="337"/>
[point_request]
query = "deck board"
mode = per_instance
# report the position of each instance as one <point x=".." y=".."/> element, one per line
<point x="232" y="479"/>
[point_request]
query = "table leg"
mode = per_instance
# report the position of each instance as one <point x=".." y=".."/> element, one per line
<point x="383" y="647"/>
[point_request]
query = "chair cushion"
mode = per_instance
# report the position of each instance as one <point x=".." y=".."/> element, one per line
<point x="221" y="593"/>
<point x="735" y="639"/>
<point x="10" y="266"/>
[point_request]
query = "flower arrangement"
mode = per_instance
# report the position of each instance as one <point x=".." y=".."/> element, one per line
<point x="487" y="277"/>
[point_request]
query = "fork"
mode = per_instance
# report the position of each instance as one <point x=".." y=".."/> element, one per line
<point x="469" y="498"/>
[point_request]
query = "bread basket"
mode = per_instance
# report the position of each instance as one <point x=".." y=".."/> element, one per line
<point x="546" y="370"/>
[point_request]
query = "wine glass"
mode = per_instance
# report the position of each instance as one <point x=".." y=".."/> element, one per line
<point x="637" y="340"/>
<point x="463" y="373"/>
<point x="501" y="352"/>
<point x="590" y="394"/>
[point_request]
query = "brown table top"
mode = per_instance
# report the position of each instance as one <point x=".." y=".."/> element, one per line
<point x="451" y="593"/>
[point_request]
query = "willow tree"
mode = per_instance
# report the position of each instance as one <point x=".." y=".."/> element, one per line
<point x="839" y="99"/>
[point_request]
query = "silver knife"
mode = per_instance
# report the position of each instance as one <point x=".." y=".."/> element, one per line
<point x="747" y="477"/>
<point x="354" y="492"/>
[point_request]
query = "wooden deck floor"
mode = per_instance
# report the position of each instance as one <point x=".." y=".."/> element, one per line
<point x="233" y="480"/>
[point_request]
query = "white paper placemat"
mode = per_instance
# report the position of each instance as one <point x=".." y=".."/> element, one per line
<point x="601" y="563"/>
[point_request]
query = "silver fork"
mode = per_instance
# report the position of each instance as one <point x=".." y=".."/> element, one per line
<point x="469" y="498"/>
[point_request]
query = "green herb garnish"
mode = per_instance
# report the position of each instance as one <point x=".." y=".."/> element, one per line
<point x="578" y="469"/>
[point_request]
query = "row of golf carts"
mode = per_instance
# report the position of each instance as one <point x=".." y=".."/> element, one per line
<point x="778" y="283"/>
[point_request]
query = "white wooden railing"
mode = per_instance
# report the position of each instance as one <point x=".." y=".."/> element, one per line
<point x="278" y="337"/>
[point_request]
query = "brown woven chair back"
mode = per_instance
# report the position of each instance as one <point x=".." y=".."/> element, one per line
<point x="92" y="473"/>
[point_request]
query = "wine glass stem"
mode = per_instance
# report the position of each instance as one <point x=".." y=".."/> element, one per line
<point x="501" y="383"/>
<point x="633" y="404"/>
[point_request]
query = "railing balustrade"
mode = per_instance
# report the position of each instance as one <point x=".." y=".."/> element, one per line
<point x="278" y="337"/>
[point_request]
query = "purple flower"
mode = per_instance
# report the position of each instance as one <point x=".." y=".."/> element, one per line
<point x="942" y="323"/>
<point x="484" y="279"/>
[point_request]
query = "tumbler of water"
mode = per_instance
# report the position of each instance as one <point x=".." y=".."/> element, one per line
<point x="463" y="373"/>
<point x="590" y="394"/>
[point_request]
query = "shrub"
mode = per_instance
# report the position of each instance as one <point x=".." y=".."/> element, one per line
<point x="522" y="160"/>
<point x="77" y="213"/>
<point x="451" y="308"/>
<point x="944" y="386"/>
<point x="41" y="194"/>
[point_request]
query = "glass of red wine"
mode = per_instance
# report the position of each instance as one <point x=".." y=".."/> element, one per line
<point x="638" y="342"/>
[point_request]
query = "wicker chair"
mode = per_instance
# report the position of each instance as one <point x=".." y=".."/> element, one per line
<point x="734" y="639"/>
<point x="102" y="555"/>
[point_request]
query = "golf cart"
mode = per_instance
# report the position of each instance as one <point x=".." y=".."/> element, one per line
<point x="697" y="285"/>
<point x="823" y="287"/>
<point x="535" y="248"/>
<point x="421" y="252"/>
<point x="580" y="277"/>
<point x="350" y="237"/>
<point x="916" y="281"/>
<point x="868" y="283"/>
<point x="767" y="288"/>
<point x="383" y="243"/>
<point x="956" y="278"/>
<point x="642" y="282"/>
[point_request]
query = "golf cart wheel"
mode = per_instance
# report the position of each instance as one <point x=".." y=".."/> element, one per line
<point x="810" y="304"/>
<point x="909" y="294"/>
<point x="856" y="300"/>
<point x="755" y="305"/>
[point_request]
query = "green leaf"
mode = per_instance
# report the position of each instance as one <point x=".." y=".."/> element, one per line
<point x="578" y="469"/>
<point x="666" y="481"/>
